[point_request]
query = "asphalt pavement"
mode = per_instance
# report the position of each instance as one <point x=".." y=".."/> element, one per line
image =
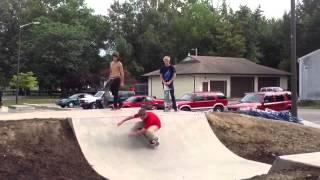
<point x="312" y="115"/>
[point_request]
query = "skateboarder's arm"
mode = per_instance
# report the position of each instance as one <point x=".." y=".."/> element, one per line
<point x="161" y="78"/>
<point x="125" y="119"/>
<point x="121" y="74"/>
<point x="138" y="132"/>
<point x="110" y="71"/>
<point x="173" y="78"/>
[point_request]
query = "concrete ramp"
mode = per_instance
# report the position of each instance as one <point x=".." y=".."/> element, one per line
<point x="188" y="150"/>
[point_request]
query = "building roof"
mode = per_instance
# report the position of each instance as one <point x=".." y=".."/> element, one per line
<point x="308" y="56"/>
<point x="221" y="65"/>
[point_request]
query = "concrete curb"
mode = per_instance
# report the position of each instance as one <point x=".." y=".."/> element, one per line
<point x="4" y="109"/>
<point x="310" y="124"/>
<point x="40" y="106"/>
<point x="20" y="108"/>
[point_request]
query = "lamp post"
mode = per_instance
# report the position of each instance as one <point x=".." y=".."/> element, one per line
<point x="293" y="60"/>
<point x="19" y="55"/>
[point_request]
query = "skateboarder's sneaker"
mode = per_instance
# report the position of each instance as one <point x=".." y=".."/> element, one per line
<point x="154" y="142"/>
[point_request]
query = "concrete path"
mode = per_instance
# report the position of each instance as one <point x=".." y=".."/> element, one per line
<point x="300" y="161"/>
<point x="188" y="150"/>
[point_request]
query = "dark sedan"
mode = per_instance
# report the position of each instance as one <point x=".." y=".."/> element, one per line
<point x="73" y="100"/>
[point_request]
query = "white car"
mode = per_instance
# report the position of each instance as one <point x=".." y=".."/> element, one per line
<point x="271" y="89"/>
<point x="90" y="102"/>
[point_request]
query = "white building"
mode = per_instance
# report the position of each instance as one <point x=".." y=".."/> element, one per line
<point x="232" y="76"/>
<point x="309" y="86"/>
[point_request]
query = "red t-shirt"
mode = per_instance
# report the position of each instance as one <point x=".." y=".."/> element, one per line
<point x="151" y="119"/>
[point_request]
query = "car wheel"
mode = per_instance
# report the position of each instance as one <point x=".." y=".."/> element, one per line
<point x="185" y="109"/>
<point x="154" y="107"/>
<point x="218" y="109"/>
<point x="70" y="105"/>
<point x="93" y="106"/>
<point x="62" y="106"/>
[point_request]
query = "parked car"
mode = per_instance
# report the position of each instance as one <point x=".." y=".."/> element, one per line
<point x="73" y="100"/>
<point x="277" y="101"/>
<point x="272" y="89"/>
<point x="148" y="102"/>
<point x="215" y="101"/>
<point x="123" y="95"/>
<point x="90" y="102"/>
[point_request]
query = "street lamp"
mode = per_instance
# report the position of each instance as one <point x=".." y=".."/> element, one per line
<point x="19" y="54"/>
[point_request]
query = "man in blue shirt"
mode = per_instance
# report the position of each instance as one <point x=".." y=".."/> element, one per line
<point x="167" y="76"/>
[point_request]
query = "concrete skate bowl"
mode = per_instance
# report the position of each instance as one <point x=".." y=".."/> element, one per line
<point x="188" y="150"/>
<point x="41" y="149"/>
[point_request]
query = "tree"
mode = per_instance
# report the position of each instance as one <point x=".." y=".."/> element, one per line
<point x="308" y="27"/>
<point x="27" y="81"/>
<point x="63" y="50"/>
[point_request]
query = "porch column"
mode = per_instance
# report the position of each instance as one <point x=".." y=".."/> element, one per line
<point x="256" y="84"/>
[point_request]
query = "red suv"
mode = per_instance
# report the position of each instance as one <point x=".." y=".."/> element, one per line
<point x="215" y="101"/>
<point x="277" y="101"/>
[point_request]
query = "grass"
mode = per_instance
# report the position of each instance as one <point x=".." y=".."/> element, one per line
<point x="30" y="100"/>
<point x="309" y="104"/>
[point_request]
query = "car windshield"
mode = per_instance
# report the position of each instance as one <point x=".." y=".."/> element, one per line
<point x="75" y="96"/>
<point x="131" y="99"/>
<point x="252" y="98"/>
<point x="186" y="97"/>
<point x="99" y="94"/>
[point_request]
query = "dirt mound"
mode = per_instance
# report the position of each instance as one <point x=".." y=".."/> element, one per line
<point x="41" y="149"/>
<point x="263" y="140"/>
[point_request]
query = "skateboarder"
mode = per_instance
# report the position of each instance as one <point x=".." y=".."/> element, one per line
<point x="116" y="79"/>
<point x="148" y="126"/>
<point x="167" y="76"/>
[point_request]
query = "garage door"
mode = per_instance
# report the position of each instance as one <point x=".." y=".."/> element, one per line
<point x="241" y="85"/>
<point x="268" y="82"/>
<point x="218" y="86"/>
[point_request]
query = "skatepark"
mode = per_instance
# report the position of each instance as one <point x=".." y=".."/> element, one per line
<point x="189" y="149"/>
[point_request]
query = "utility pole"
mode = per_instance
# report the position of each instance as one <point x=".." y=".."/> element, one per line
<point x="19" y="50"/>
<point x="294" y="91"/>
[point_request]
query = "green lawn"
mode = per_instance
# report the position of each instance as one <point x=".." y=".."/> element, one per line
<point x="30" y="100"/>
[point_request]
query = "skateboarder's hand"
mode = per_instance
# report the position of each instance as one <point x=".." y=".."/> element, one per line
<point x="122" y="84"/>
<point x="119" y="123"/>
<point x="132" y="134"/>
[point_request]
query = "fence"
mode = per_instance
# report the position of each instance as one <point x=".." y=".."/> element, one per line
<point x="140" y="89"/>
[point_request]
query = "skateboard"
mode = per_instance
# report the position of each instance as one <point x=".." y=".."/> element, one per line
<point x="167" y="99"/>
<point x="106" y="95"/>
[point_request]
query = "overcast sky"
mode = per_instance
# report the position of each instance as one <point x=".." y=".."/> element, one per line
<point x="271" y="8"/>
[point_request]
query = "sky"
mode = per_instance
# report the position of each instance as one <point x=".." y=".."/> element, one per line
<point x="271" y="8"/>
